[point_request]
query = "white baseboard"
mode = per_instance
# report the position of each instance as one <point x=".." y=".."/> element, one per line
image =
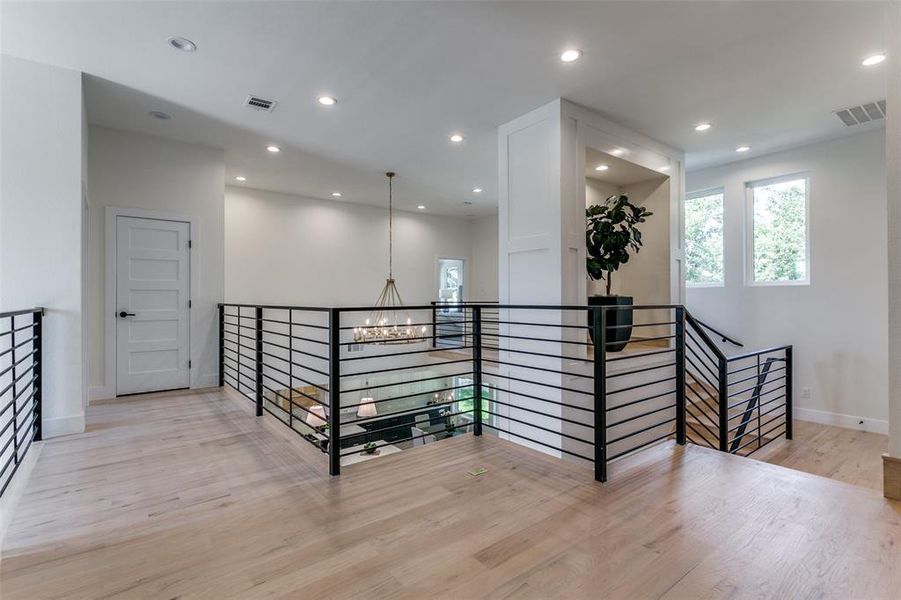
<point x="100" y="392"/>
<point x="16" y="487"/>
<point x="56" y="426"/>
<point x="840" y="420"/>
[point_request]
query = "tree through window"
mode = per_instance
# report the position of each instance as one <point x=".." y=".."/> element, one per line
<point x="704" y="238"/>
<point x="779" y="245"/>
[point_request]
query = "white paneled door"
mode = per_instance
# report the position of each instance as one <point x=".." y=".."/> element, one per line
<point x="152" y="301"/>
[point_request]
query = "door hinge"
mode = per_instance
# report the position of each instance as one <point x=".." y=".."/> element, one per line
<point x="190" y="243"/>
<point x="189" y="364"/>
<point x="189" y="304"/>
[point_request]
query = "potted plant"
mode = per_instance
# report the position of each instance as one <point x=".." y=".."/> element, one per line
<point x="370" y="448"/>
<point x="611" y="235"/>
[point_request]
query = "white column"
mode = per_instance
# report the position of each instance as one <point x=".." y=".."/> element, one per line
<point x="893" y="170"/>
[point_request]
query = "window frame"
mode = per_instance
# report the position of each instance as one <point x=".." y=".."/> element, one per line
<point x="749" y="229"/>
<point x="701" y="194"/>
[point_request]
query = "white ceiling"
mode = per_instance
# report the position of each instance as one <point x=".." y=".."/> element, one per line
<point x="407" y="75"/>
<point x="619" y="171"/>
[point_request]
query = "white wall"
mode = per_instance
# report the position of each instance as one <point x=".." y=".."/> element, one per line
<point x="136" y="171"/>
<point x="40" y="222"/>
<point x="837" y="324"/>
<point x="483" y="264"/>
<point x="287" y="249"/>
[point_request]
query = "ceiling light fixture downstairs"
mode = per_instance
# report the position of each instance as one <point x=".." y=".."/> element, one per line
<point x="702" y="126"/>
<point x="273" y="149"/>
<point x="183" y="44"/>
<point x="327" y="101"/>
<point x="873" y="60"/>
<point x="456" y="138"/>
<point x="569" y="56"/>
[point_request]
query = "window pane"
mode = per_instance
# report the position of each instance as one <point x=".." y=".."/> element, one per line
<point x="704" y="239"/>
<point x="780" y="231"/>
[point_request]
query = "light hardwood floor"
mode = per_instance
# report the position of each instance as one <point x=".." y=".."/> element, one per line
<point x="834" y="452"/>
<point x="190" y="496"/>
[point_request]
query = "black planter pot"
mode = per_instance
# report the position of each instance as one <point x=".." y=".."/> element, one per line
<point x="619" y="321"/>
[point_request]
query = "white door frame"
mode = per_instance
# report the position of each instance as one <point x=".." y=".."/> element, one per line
<point x="109" y="304"/>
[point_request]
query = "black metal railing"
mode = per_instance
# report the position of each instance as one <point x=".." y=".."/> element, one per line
<point x="585" y="383"/>
<point x="20" y="388"/>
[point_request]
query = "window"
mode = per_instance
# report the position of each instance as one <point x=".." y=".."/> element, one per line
<point x="449" y="315"/>
<point x="704" y="238"/>
<point x="779" y="251"/>
<point x="450" y="280"/>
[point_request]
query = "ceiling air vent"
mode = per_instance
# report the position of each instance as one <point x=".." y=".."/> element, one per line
<point x="858" y="115"/>
<point x="257" y="103"/>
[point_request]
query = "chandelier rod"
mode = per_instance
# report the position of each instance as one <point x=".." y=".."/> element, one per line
<point x="390" y="226"/>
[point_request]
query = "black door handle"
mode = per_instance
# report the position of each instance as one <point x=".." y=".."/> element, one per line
<point x="124" y="314"/>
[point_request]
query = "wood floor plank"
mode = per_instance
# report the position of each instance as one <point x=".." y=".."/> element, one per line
<point x="187" y="495"/>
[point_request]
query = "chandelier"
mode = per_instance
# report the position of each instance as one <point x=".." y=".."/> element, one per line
<point x="389" y="322"/>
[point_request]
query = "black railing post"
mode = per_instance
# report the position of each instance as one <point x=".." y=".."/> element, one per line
<point x="15" y="411"/>
<point x="259" y="360"/>
<point x="599" y="335"/>
<point x="434" y="324"/>
<point x="723" y="392"/>
<point x="788" y="393"/>
<point x="334" y="391"/>
<point x="680" y="375"/>
<point x="222" y="345"/>
<point x="38" y="389"/>
<point x="476" y="370"/>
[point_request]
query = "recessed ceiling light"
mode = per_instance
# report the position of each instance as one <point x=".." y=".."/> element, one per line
<point x="601" y="168"/>
<point x="617" y="152"/>
<point x="158" y="114"/>
<point x="273" y="149"/>
<point x="570" y="55"/>
<point x="336" y="194"/>
<point x="456" y="138"/>
<point x="183" y="44"/>
<point x="327" y="101"/>
<point x="421" y="207"/>
<point x="873" y="60"/>
<point x="240" y="178"/>
<point x="742" y="148"/>
<point x="476" y="190"/>
<point x="664" y="168"/>
<point x="702" y="126"/>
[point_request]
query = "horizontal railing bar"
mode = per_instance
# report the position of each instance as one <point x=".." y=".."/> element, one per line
<point x="759" y="415"/>
<point x="757" y="375"/>
<point x="24" y="311"/>
<point x="411" y="395"/>
<point x="408" y="439"/>
<point x="305" y="353"/>
<point x="641" y="385"/>
<point x="694" y="404"/>
<point x="639" y="416"/>
<point x="639" y="431"/>
<point x="642" y="340"/>
<point x="550" y="385"/>
<point x="295" y="323"/>
<point x="402" y="325"/>
<point x="545" y="369"/>
<point x="772" y="439"/>
<point x="639" y="447"/>
<point x="756" y="407"/>
<point x="636" y="325"/>
<point x="556" y="325"/>
<point x="712" y="444"/>
<point x="527" y="424"/>
<point x="302" y="366"/>
<point x="758" y="437"/>
<point x="702" y="346"/>
<point x="753" y="387"/>
<point x="404" y="368"/>
<point x="292" y="402"/>
<point x="713" y="383"/>
<point x="531" y="397"/>
<point x="769" y="350"/>
<point x="405" y="353"/>
<point x="366" y="388"/>
<point x="416" y="410"/>
<point x="307" y="396"/>
<point x="546" y="445"/>
<point x="755" y="365"/>
<point x="538" y="339"/>
<point x="402" y="425"/>
<point x="275" y="307"/>
<point x="640" y="355"/>
<point x="538" y="412"/>
<point x="757" y="396"/>
<point x="640" y="400"/>
<point x="544" y="354"/>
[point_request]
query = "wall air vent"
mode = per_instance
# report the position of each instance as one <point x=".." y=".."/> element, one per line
<point x="858" y="115"/>
<point x="257" y="103"/>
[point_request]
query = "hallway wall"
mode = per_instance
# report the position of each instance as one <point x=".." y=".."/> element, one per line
<point x="837" y="324"/>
